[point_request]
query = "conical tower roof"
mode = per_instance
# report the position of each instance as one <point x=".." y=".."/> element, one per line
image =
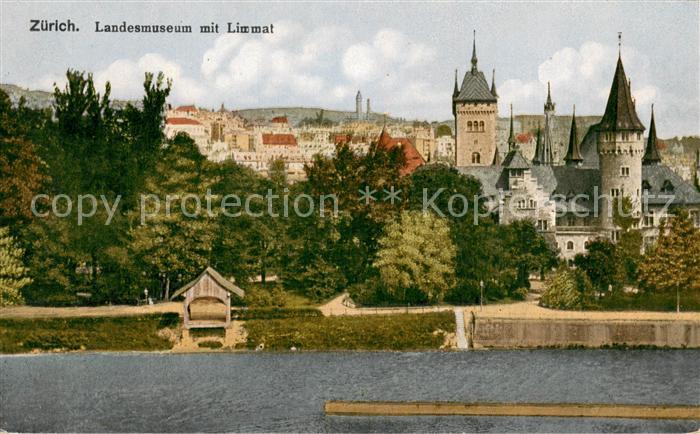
<point x="538" y="147"/>
<point x="573" y="154"/>
<point x="620" y="113"/>
<point x="511" y="136"/>
<point x="651" y="153"/>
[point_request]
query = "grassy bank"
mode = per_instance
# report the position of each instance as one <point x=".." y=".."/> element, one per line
<point x="650" y="301"/>
<point x="132" y="333"/>
<point x="370" y="332"/>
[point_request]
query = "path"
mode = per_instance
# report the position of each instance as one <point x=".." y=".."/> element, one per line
<point x="87" y="311"/>
<point x="461" y="335"/>
<point x="528" y="309"/>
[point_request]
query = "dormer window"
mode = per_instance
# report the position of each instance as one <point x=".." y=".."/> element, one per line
<point x="667" y="187"/>
<point x="646" y="187"/>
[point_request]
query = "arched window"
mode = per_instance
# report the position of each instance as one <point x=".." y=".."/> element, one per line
<point x="481" y="126"/>
<point x="667" y="187"/>
<point x="569" y="245"/>
<point x="469" y="126"/>
<point x="476" y="158"/>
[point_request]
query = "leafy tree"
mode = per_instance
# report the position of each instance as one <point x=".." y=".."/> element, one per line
<point x="602" y="264"/>
<point x="416" y="257"/>
<point x="13" y="273"/>
<point x="673" y="264"/>
<point x="444" y="130"/>
<point x="175" y="244"/>
<point x="567" y="289"/>
<point x="22" y="176"/>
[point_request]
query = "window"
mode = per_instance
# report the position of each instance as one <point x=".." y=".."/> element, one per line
<point x="639" y="136"/>
<point x="476" y="158"/>
<point x="615" y="236"/>
<point x="533" y="204"/>
<point x="569" y="245"/>
<point x="624" y="171"/>
<point x="571" y="220"/>
<point x="481" y="126"/>
<point x="625" y="136"/>
<point x="542" y="225"/>
<point x="615" y="192"/>
<point x="646" y="187"/>
<point x="649" y="219"/>
<point x="469" y="126"/>
<point x="521" y="204"/>
<point x="667" y="187"/>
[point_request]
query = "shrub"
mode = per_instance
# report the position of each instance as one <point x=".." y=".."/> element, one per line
<point x="274" y="313"/>
<point x="568" y="289"/>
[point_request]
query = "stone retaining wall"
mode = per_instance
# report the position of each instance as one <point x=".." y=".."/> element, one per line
<point x="532" y="333"/>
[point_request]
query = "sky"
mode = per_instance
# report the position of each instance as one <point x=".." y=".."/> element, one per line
<point x="401" y="55"/>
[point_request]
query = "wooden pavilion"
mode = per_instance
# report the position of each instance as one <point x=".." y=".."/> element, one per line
<point x="204" y="297"/>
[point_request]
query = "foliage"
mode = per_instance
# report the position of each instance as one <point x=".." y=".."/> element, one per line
<point x="22" y="176"/>
<point x="673" y="264"/>
<point x="443" y="130"/>
<point x="399" y="332"/>
<point x="256" y="313"/>
<point x="318" y="121"/>
<point x="602" y="264"/>
<point x="13" y="273"/>
<point x="416" y="258"/>
<point x="129" y="333"/>
<point x="567" y="289"/>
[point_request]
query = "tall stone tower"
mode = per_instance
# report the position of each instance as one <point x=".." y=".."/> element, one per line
<point x="369" y="110"/>
<point x="620" y="150"/>
<point x="475" y="108"/>
<point x="358" y="105"/>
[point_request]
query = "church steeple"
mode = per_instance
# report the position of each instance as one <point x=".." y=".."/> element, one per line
<point x="493" y="84"/>
<point x="573" y="154"/>
<point x="511" y="136"/>
<point x="474" y="59"/>
<point x="651" y="153"/>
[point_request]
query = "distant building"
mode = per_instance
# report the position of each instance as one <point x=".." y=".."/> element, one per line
<point x="358" y="105"/>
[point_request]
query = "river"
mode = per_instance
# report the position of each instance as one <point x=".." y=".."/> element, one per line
<point x="137" y="392"/>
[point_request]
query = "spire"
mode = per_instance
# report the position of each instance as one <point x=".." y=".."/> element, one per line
<point x="651" y="153"/>
<point x="573" y="154"/>
<point x="496" y="158"/>
<point x="474" y="59"/>
<point x="493" y="84"/>
<point x="455" y="92"/>
<point x="538" y="146"/>
<point x="619" y="110"/>
<point x="511" y="137"/>
<point x="549" y="106"/>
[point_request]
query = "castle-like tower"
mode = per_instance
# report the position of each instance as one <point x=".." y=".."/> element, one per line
<point x="620" y="150"/>
<point x="358" y="105"/>
<point x="475" y="109"/>
<point x="543" y="151"/>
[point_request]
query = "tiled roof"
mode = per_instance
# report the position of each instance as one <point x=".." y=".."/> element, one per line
<point x="412" y="157"/>
<point x="683" y="191"/>
<point x="475" y="89"/>
<point x="218" y="278"/>
<point x="182" y="121"/>
<point x="620" y="113"/>
<point x="280" y="120"/>
<point x="279" y="139"/>
<point x="186" y="108"/>
<point x="515" y="160"/>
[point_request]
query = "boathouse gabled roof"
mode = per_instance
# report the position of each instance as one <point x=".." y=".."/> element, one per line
<point x="218" y="278"/>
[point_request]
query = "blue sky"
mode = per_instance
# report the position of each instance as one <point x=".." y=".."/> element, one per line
<point x="401" y="55"/>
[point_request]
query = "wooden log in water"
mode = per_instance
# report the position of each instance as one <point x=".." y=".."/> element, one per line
<point x="630" y="411"/>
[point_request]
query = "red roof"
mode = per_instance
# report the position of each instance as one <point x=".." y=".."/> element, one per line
<point x="186" y="108"/>
<point x="182" y="121"/>
<point x="523" y="137"/>
<point x="279" y="139"/>
<point x="342" y="138"/>
<point x="280" y="120"/>
<point x="411" y="154"/>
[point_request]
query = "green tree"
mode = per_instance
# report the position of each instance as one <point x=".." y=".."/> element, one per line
<point x="444" y="130"/>
<point x="175" y="242"/>
<point x="602" y="264"/>
<point x="673" y="264"/>
<point x="13" y="274"/>
<point x="416" y="258"/>
<point x="567" y="289"/>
